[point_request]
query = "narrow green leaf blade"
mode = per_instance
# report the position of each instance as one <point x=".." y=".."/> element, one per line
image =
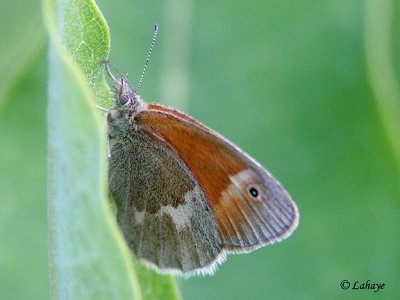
<point x="155" y="286"/>
<point x="77" y="168"/>
<point x="88" y="259"/>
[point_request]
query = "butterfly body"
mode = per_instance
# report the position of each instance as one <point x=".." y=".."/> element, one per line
<point x="162" y="210"/>
<point x="185" y="195"/>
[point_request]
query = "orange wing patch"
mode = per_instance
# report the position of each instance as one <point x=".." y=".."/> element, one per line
<point x="210" y="160"/>
<point x="227" y="175"/>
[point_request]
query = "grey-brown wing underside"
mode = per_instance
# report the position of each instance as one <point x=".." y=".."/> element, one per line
<point x="162" y="211"/>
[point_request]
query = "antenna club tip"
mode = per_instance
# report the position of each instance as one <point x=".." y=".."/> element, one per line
<point x="156" y="27"/>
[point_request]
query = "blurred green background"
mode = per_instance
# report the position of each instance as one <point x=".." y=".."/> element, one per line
<point x="309" y="88"/>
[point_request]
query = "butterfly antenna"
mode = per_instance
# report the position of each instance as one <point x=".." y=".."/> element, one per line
<point x="148" y="56"/>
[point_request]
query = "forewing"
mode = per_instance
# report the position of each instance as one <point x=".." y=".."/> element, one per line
<point x="227" y="175"/>
<point x="162" y="211"/>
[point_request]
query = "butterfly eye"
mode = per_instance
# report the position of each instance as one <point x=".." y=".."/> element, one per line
<point x="254" y="192"/>
<point x="125" y="99"/>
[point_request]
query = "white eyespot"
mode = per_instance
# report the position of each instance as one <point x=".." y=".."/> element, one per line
<point x="245" y="182"/>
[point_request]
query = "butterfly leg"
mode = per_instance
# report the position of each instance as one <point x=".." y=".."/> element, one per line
<point x="107" y="64"/>
<point x="103" y="109"/>
<point x="109" y="137"/>
<point x="108" y="148"/>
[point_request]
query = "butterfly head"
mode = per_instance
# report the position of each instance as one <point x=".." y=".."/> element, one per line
<point x="125" y="96"/>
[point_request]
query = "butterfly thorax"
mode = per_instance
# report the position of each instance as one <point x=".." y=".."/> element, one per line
<point x="127" y="104"/>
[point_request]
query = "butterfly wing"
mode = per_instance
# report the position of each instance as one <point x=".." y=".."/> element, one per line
<point x="251" y="208"/>
<point x="162" y="211"/>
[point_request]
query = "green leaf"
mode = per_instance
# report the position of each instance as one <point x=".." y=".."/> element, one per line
<point x="88" y="258"/>
<point x="155" y="286"/>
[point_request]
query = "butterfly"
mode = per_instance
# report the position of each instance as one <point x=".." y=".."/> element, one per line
<point x="185" y="195"/>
